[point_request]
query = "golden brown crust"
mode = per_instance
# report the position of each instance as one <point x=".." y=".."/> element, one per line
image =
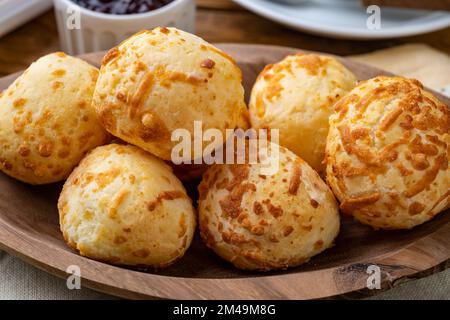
<point x="296" y="178"/>
<point x="392" y="140"/>
<point x="124" y="206"/>
<point x="162" y="80"/>
<point x="46" y="122"/>
<point x="263" y="222"/>
<point x="296" y="96"/>
<point x="112" y="54"/>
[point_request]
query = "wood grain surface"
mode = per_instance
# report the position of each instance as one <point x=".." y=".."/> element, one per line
<point x="217" y="21"/>
<point x="29" y="229"/>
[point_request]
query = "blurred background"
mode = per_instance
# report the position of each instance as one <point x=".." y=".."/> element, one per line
<point x="218" y="21"/>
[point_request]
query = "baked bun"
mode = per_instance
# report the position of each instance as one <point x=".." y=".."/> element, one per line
<point x="387" y="153"/>
<point x="124" y="206"/>
<point x="162" y="80"/>
<point x="297" y="96"/>
<point x="47" y="124"/>
<point x="267" y="222"/>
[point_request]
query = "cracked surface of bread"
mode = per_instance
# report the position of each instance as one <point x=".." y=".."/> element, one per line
<point x="388" y="152"/>
<point x="267" y="222"/>
<point x="124" y="206"/>
<point x="165" y="79"/>
<point x="296" y="96"/>
<point x="47" y="123"/>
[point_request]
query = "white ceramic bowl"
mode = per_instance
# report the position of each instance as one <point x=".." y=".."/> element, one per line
<point x="101" y="31"/>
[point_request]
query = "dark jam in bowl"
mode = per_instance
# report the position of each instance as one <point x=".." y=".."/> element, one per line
<point x="122" y="6"/>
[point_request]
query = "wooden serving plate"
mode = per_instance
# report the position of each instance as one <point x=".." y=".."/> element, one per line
<point x="29" y="229"/>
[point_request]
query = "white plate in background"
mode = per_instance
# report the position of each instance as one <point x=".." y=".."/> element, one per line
<point x="348" y="18"/>
<point x="14" y="13"/>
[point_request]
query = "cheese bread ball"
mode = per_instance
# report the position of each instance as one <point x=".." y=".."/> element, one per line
<point x="297" y="96"/>
<point x="388" y="152"/>
<point x="124" y="206"/>
<point x="267" y="222"/>
<point x="162" y="80"/>
<point x="47" y="123"/>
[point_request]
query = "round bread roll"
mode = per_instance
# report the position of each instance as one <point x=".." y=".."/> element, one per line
<point x="267" y="222"/>
<point x="47" y="123"/>
<point x="387" y="153"/>
<point x="162" y="80"/>
<point x="297" y="96"/>
<point x="124" y="206"/>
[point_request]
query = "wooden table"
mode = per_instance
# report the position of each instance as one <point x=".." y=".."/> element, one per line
<point x="217" y="21"/>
